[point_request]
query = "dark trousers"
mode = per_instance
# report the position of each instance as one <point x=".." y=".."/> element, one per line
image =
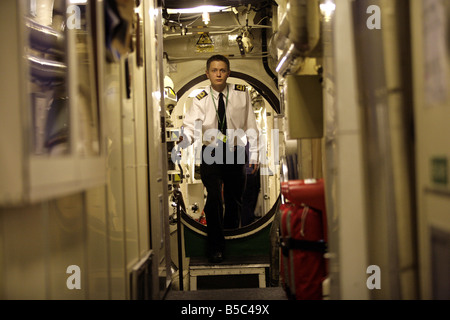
<point x="225" y="185"/>
<point x="250" y="198"/>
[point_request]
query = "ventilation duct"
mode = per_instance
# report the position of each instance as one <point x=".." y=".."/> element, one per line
<point x="299" y="33"/>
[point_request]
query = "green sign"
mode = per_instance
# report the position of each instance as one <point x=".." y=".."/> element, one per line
<point x="439" y="170"/>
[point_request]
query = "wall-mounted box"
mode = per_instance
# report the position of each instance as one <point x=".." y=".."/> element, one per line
<point x="304" y="106"/>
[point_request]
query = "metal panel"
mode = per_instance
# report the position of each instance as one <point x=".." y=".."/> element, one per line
<point x="129" y="166"/>
<point x="343" y="164"/>
<point x="304" y="110"/>
<point x="430" y="50"/>
<point x="11" y="136"/>
<point x="157" y="155"/>
<point x="115" y="184"/>
<point x="24" y="271"/>
<point x="440" y="260"/>
<point x="141" y="278"/>
<point x="96" y="246"/>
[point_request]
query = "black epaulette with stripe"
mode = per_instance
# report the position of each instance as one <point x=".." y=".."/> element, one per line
<point x="201" y="95"/>
<point x="239" y="87"/>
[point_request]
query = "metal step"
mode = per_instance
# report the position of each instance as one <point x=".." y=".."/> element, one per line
<point x="233" y="272"/>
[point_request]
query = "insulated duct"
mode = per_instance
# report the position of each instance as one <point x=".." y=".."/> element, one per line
<point x="304" y="25"/>
<point x="299" y="33"/>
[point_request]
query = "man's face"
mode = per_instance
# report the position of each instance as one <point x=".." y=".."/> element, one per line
<point x="218" y="73"/>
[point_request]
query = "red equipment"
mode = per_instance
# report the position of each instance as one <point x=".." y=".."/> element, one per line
<point x="303" y="239"/>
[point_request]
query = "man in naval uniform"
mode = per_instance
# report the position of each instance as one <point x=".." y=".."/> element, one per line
<point x="223" y="113"/>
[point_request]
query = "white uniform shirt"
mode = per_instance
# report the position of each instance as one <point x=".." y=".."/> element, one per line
<point x="239" y="114"/>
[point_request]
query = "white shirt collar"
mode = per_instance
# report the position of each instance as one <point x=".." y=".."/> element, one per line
<point x="216" y="93"/>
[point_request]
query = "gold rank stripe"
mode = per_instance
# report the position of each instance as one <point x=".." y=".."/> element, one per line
<point x="201" y="95"/>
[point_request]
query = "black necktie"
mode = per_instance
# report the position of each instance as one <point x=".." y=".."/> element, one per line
<point x="222" y="117"/>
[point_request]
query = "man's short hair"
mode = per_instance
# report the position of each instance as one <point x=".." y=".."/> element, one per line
<point x="217" y="57"/>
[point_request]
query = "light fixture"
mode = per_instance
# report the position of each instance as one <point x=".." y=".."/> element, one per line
<point x="200" y="9"/>
<point x="327" y="8"/>
<point x="205" y="17"/>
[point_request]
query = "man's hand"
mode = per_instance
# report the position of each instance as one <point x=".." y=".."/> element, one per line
<point x="255" y="167"/>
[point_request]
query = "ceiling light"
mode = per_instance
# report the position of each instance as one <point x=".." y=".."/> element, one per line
<point x="205" y="17"/>
<point x="200" y="9"/>
<point x="327" y="8"/>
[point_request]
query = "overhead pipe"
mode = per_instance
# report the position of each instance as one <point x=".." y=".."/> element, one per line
<point x="265" y="60"/>
<point x="298" y="34"/>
